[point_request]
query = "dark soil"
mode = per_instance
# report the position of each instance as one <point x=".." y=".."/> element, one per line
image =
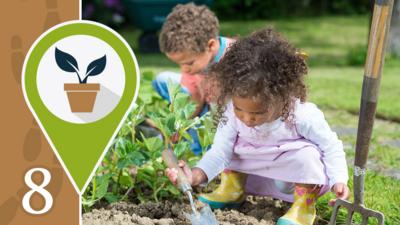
<point x="255" y="211"/>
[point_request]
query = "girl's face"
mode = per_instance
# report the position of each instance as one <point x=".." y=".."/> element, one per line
<point x="253" y="112"/>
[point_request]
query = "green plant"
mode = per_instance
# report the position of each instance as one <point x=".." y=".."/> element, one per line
<point x="169" y="120"/>
<point x="206" y="131"/>
<point x="175" y="119"/>
<point x="113" y="180"/>
<point x="133" y="166"/>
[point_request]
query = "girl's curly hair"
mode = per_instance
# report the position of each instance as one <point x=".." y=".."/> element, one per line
<point x="263" y="65"/>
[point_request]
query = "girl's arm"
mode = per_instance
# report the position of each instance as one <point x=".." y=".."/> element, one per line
<point x="311" y="124"/>
<point x="219" y="156"/>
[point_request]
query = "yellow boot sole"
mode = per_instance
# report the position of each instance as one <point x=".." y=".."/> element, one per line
<point x="221" y="205"/>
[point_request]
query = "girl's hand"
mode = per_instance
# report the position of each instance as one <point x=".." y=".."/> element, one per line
<point x="172" y="174"/>
<point x="341" y="191"/>
<point x="195" y="176"/>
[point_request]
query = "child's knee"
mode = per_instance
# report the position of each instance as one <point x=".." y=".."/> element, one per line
<point x="309" y="159"/>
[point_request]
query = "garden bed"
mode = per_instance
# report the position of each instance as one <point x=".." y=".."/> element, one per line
<point x="255" y="211"/>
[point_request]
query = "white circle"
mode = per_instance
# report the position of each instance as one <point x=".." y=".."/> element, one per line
<point x="85" y="49"/>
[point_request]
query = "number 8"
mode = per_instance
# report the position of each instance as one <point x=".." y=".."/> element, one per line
<point x="40" y="189"/>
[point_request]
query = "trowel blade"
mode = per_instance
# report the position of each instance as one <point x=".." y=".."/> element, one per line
<point x="204" y="216"/>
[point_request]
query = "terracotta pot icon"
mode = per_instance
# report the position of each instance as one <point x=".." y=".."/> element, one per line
<point x="81" y="97"/>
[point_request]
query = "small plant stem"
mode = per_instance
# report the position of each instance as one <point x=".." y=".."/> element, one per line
<point x="180" y="137"/>
<point x="80" y="81"/>
<point x="139" y="194"/>
<point x="156" y="191"/>
<point x="190" y="125"/>
<point x="133" y="132"/>
<point x="155" y="196"/>
<point x="167" y="141"/>
<point x="118" y="179"/>
<point x="86" y="208"/>
<point x="85" y="80"/>
<point x="94" y="188"/>
<point x="127" y="192"/>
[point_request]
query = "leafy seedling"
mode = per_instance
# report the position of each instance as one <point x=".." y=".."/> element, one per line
<point x="68" y="63"/>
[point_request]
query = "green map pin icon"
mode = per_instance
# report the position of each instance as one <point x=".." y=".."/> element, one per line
<point x="80" y="80"/>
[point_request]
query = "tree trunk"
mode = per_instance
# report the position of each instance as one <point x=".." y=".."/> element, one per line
<point x="394" y="33"/>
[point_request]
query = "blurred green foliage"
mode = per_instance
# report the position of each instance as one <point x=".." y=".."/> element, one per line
<point x="267" y="9"/>
<point x="114" y="13"/>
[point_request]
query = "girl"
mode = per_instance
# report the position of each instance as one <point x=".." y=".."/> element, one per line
<point x="271" y="140"/>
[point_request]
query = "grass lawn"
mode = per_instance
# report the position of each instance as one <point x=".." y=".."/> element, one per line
<point x="336" y="88"/>
<point x="382" y="192"/>
<point x="340" y="88"/>
<point x="328" y="41"/>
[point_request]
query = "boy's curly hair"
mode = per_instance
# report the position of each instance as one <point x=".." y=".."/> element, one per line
<point x="188" y="28"/>
<point x="263" y="65"/>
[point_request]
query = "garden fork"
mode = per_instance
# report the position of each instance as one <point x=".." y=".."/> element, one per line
<point x="369" y="97"/>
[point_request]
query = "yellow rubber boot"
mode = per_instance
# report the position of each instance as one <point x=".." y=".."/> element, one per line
<point x="229" y="194"/>
<point x="302" y="211"/>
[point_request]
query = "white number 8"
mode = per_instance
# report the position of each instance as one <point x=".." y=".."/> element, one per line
<point x="39" y="189"/>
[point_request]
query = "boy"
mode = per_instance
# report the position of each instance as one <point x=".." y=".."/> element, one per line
<point x="190" y="38"/>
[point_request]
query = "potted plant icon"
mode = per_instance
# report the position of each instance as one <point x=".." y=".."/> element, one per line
<point x="81" y="96"/>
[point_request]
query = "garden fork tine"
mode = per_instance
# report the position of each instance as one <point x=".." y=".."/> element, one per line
<point x="369" y="97"/>
<point x="351" y="209"/>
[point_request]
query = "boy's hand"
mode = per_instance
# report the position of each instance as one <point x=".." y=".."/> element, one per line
<point x="341" y="191"/>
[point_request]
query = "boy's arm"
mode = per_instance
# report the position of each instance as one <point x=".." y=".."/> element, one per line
<point x="192" y="84"/>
